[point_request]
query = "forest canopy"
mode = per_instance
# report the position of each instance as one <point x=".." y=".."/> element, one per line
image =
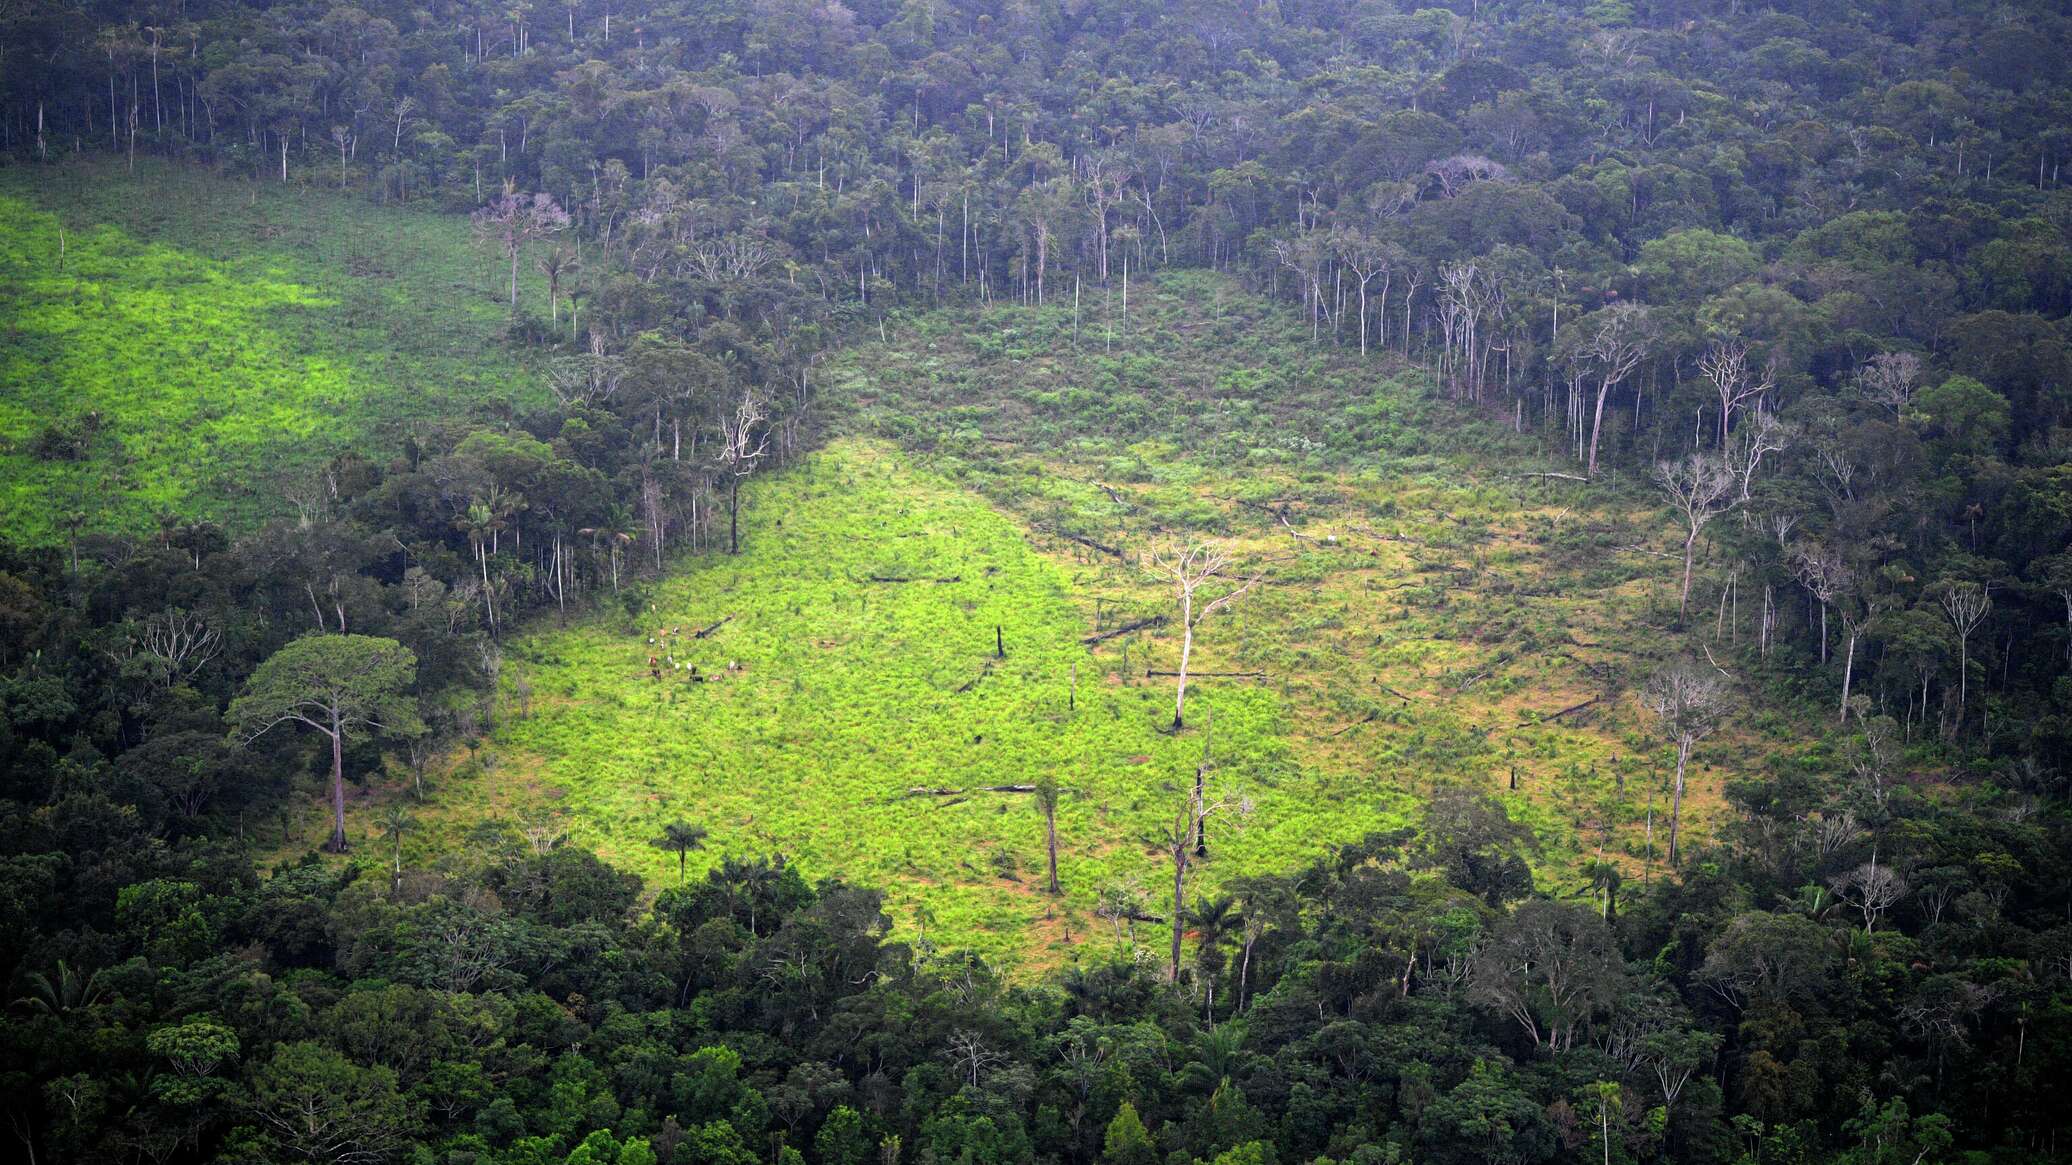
<point x="1774" y="298"/>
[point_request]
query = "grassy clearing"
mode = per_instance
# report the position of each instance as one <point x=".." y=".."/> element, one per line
<point x="175" y="339"/>
<point x="1432" y="609"/>
<point x="850" y="692"/>
<point x="1428" y="613"/>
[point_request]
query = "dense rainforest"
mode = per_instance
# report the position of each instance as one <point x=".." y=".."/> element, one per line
<point x="1796" y="275"/>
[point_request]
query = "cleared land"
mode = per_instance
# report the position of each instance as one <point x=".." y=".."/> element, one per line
<point x="1429" y="612"/>
<point x="174" y="340"/>
<point x="1429" y="615"/>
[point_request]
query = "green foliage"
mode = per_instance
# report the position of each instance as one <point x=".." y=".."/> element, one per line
<point x="803" y="723"/>
<point x="177" y="341"/>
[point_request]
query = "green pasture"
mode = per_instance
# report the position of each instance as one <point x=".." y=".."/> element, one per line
<point x="176" y="340"/>
<point x="828" y="697"/>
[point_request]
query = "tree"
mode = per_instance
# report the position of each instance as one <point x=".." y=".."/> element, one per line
<point x="841" y="1140"/>
<point x="313" y="1104"/>
<point x="396" y="822"/>
<point x="1180" y="845"/>
<point x="1872" y="889"/>
<point x="745" y="440"/>
<point x="340" y="685"/>
<point x="1690" y="704"/>
<point x="1700" y="488"/>
<point x="680" y="838"/>
<point x="1889" y="381"/>
<point x="1213" y="921"/>
<point x="1127" y="1141"/>
<point x="1189" y="568"/>
<point x="2053" y="573"/>
<point x="1725" y="367"/>
<point x="557" y="264"/>
<point x="1548" y="966"/>
<point x="1047" y="804"/>
<point x="1966" y="604"/>
<point x="1615" y="340"/>
<point x="513" y="220"/>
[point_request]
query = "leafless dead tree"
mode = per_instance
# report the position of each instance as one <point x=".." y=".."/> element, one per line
<point x="1189" y="568"/>
<point x="1725" y="366"/>
<point x="745" y="439"/>
<point x="1872" y="889"/>
<point x="1700" y="488"/>
<point x="1690" y="703"/>
<point x="1890" y="379"/>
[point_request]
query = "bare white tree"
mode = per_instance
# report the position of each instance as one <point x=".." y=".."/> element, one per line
<point x="1700" y="488"/>
<point x="512" y="220"/>
<point x="1189" y="568"/>
<point x="1967" y="605"/>
<point x="1690" y="704"/>
<point x="1875" y="758"/>
<point x="1821" y="570"/>
<point x="1760" y="437"/>
<point x="1890" y="379"/>
<point x="179" y="644"/>
<point x="1611" y="351"/>
<point x="973" y="1059"/>
<point x="1872" y="889"/>
<point x="1725" y="366"/>
<point x="588" y="378"/>
<point x="745" y="440"/>
<point x="1456" y="173"/>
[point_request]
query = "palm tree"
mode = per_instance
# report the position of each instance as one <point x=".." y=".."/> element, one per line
<point x="1213" y="920"/>
<point x="1219" y="1057"/>
<point x="70" y="991"/>
<point x="680" y="838"/>
<point x="556" y="265"/>
<point x="1047" y="804"/>
<point x="481" y="523"/>
<point x="394" y="824"/>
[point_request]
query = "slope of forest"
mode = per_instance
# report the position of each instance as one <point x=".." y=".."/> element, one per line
<point x="1590" y="412"/>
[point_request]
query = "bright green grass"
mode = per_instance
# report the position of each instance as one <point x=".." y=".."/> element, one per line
<point x="215" y="337"/>
<point x="853" y="692"/>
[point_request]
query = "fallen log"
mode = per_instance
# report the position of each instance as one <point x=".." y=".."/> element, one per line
<point x="1103" y="547"/>
<point x="1393" y="692"/>
<point x="709" y="630"/>
<point x="1228" y="675"/>
<point x="1485" y="673"/>
<point x="1594" y="700"/>
<point x="1369" y="718"/>
<point x="1125" y="629"/>
<point x="932" y="791"/>
<point x="1562" y="476"/>
<point x="900" y="578"/>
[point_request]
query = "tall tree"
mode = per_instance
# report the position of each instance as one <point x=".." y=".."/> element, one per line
<point x="1966" y="604"/>
<point x="1614" y="342"/>
<point x="1189" y="568"/>
<point x="744" y="442"/>
<point x="512" y="220"/>
<point x="680" y="838"/>
<point x="1700" y="488"/>
<point x="340" y="685"/>
<point x="1690" y="704"/>
<point x="1047" y="804"/>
